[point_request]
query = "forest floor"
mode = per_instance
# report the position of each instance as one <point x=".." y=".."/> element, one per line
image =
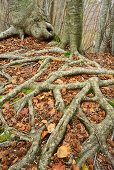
<point x="44" y="109"/>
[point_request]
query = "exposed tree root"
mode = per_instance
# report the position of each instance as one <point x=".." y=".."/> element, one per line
<point x="98" y="132"/>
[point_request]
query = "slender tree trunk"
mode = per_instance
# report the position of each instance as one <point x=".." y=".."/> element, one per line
<point x="104" y="30"/>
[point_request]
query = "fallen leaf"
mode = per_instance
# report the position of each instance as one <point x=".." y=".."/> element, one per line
<point x="63" y="151"/>
<point x="75" y="167"/>
<point x="52" y="112"/>
<point x="78" y="149"/>
<point x="51" y="127"/>
<point x="14" y="81"/>
<point x="44" y="133"/>
<point x="25" y="111"/>
<point x="6" y="105"/>
<point x="14" y="144"/>
<point x="91" y="167"/>
<point x="89" y="161"/>
<point x="58" y="166"/>
<point x="59" y="81"/>
<point x="44" y="121"/>
<point x="34" y="168"/>
<point x="57" y="60"/>
<point x="63" y="91"/>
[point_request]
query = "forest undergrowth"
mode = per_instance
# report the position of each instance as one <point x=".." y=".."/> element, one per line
<point x="55" y="112"/>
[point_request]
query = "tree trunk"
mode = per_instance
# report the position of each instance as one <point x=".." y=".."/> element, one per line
<point x="73" y="25"/>
<point x="105" y="30"/>
<point x="27" y="18"/>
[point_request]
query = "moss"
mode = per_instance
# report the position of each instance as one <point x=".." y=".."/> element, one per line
<point x="81" y="63"/>
<point x="61" y="128"/>
<point x="57" y="38"/>
<point x="73" y="115"/>
<point x="78" y="158"/>
<point x="1" y="97"/>
<point x="67" y="54"/>
<point x="111" y="103"/>
<point x="4" y="137"/>
<point x="34" y="111"/>
<point x="15" y="100"/>
<point x="44" y="66"/>
<point x="27" y="91"/>
<point x="16" y="65"/>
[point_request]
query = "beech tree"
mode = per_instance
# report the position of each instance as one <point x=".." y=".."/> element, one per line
<point x="105" y="30"/>
<point x="28" y="18"/>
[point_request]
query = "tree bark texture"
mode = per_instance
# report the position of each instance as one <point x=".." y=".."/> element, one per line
<point x="27" y="18"/>
<point x="73" y="25"/>
<point x="105" y="30"/>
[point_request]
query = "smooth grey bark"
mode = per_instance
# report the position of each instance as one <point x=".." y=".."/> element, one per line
<point x="105" y="30"/>
<point x="73" y="25"/>
<point x="27" y="18"/>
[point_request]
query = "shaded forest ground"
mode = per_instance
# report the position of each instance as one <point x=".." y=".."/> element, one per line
<point x="44" y="109"/>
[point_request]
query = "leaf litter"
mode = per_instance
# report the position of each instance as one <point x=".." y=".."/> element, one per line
<point x="45" y="111"/>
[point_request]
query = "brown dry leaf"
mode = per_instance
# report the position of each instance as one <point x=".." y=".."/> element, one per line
<point x="14" y="81"/>
<point x="44" y="133"/>
<point x="109" y="76"/>
<point x="74" y="167"/>
<point x="21" y="80"/>
<point x="6" y="105"/>
<point x="52" y="112"/>
<point x="28" y="127"/>
<point x="78" y="149"/>
<point x="15" y="160"/>
<point x="59" y="81"/>
<point x="25" y="111"/>
<point x="58" y="166"/>
<point x="34" y="168"/>
<point x="63" y="91"/>
<point x="9" y="86"/>
<point x="57" y="60"/>
<point x="91" y="167"/>
<point x="89" y="161"/>
<point x="34" y="73"/>
<point x="51" y="127"/>
<point x="63" y="152"/>
<point x="44" y="121"/>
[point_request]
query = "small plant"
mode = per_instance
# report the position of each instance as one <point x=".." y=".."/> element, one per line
<point x="67" y="106"/>
<point x="57" y="38"/>
<point x="67" y="54"/>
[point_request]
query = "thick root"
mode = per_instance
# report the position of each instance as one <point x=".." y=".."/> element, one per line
<point x="98" y="132"/>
